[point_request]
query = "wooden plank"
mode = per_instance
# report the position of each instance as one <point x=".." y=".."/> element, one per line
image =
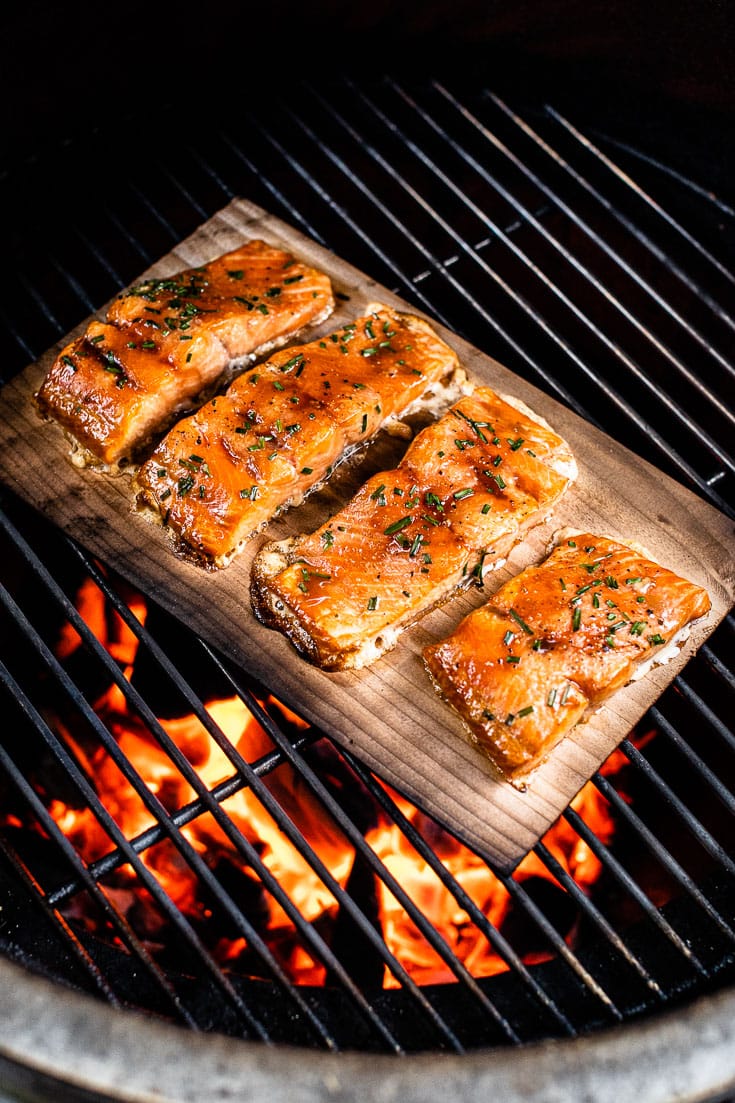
<point x="389" y="714"/>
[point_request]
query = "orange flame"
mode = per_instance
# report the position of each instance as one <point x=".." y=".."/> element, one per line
<point x="250" y="819"/>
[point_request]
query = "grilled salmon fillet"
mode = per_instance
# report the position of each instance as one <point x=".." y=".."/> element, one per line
<point x="279" y="430"/>
<point x="555" y="641"/>
<point x="468" y="488"/>
<point x="168" y="343"/>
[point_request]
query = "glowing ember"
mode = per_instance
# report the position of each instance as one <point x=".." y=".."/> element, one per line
<point x="293" y="873"/>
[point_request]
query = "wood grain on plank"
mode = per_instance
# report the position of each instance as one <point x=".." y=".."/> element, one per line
<point x="389" y="713"/>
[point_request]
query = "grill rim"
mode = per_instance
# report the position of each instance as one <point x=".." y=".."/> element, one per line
<point x="59" y="1037"/>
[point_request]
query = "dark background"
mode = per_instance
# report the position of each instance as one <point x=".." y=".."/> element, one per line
<point x="658" y="74"/>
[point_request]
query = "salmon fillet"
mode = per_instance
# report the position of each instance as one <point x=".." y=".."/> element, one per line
<point x="169" y="343"/>
<point x="221" y="474"/>
<point x="468" y="488"/>
<point x="555" y="641"/>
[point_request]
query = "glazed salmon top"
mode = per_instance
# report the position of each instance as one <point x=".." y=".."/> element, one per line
<point x="168" y="342"/>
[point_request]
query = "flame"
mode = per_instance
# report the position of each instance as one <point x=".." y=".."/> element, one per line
<point x="251" y="822"/>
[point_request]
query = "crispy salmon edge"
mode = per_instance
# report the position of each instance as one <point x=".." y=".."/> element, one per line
<point x="275" y="556"/>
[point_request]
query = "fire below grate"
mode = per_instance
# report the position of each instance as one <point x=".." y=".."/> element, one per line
<point x="597" y="275"/>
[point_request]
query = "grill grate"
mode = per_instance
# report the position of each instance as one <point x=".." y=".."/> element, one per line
<point x="587" y="268"/>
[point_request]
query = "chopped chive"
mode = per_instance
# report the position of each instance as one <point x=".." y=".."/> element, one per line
<point x="577" y="618"/>
<point x="513" y="659"/>
<point x="372" y="604"/>
<point x="515" y="444"/>
<point x="657" y="639"/>
<point x="466" y="493"/>
<point x="397" y="526"/>
<point x="526" y="711"/>
<point x="521" y="623"/>
<point x="508" y="637"/>
<point x="417" y="542"/>
<point x="551" y="698"/>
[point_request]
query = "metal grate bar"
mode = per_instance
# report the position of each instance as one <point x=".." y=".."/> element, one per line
<point x="180" y="818"/>
<point x="88" y="963"/>
<point x="599" y="241"/>
<point x="660" y="852"/>
<point x="595" y="915"/>
<point x="19" y="339"/>
<point x="153" y="805"/>
<point x="195" y="206"/>
<point x="714" y="782"/>
<point x="361" y="846"/>
<point x="541" y="920"/>
<point x="132" y="239"/>
<point x="686" y="817"/>
<point x="73" y="282"/>
<point x="703" y="708"/>
<point x="109" y="825"/>
<point x="99" y="256"/>
<point x="71" y="941"/>
<point x="541" y="373"/>
<point x="354" y="226"/>
<point x="624" y="879"/>
<point x="278" y="194"/>
<point x="634" y="230"/>
<point x="250" y="779"/>
<point x="38" y="299"/>
<point x="652" y="435"/>
<point x="613" y="346"/>
<point x="208" y="169"/>
<point x="670" y="221"/>
<point x="501" y="946"/>
<point x="152" y="209"/>
<point x="43" y="817"/>
<point x="717" y="665"/>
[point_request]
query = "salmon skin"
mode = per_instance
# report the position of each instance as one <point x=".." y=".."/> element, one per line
<point x="168" y="343"/>
<point x="220" y="475"/>
<point x="468" y="488"/>
<point x="555" y="641"/>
